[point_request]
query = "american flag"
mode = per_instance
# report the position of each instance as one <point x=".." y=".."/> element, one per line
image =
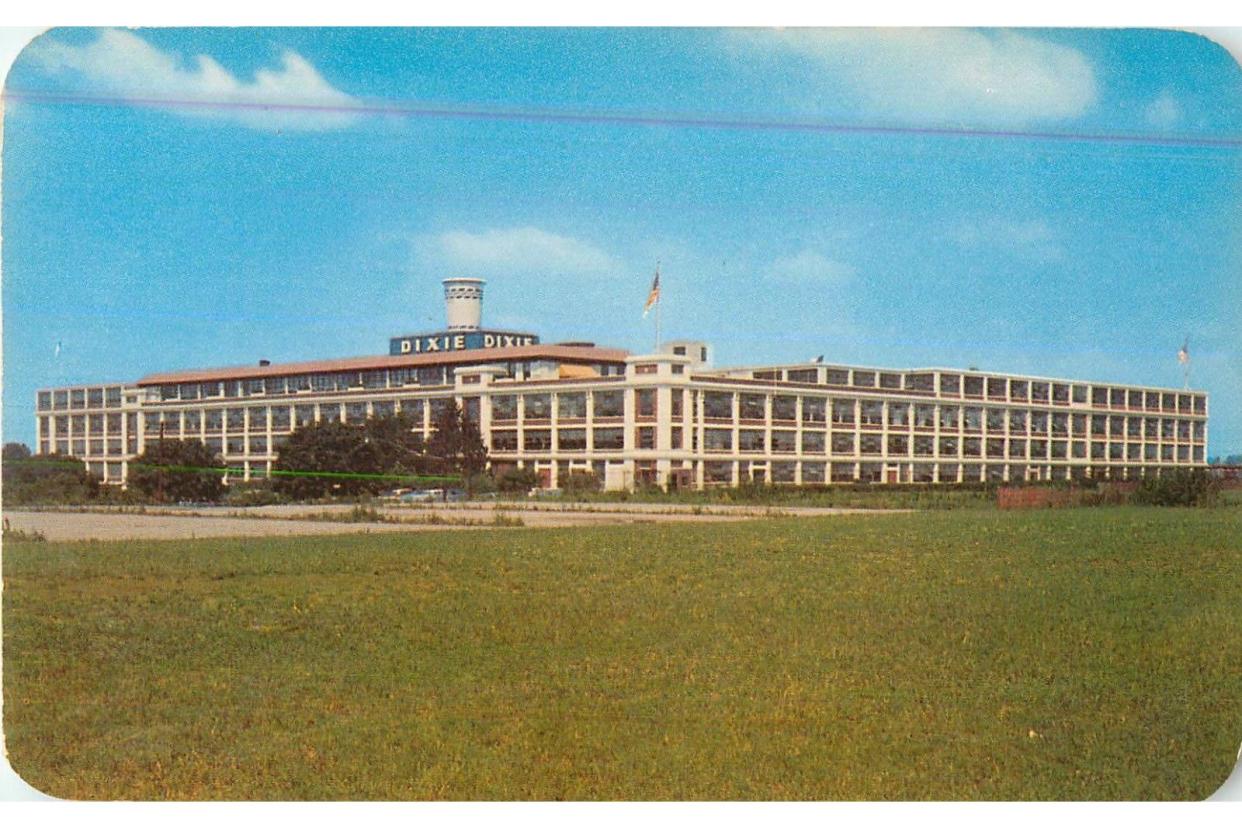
<point x="1183" y="356"/>
<point x="654" y="296"/>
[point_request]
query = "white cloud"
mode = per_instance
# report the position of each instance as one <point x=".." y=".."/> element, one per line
<point x="944" y="75"/>
<point x="1030" y="238"/>
<point x="1164" y="111"/>
<point x="810" y="267"/>
<point x="293" y="96"/>
<point x="521" y="249"/>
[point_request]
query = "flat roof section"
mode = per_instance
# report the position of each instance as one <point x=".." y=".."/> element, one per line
<point x="476" y="356"/>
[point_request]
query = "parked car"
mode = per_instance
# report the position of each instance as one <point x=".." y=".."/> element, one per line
<point x="455" y="495"/>
<point x="422" y="496"/>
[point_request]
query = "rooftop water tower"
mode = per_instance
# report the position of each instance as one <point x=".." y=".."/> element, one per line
<point x="463" y="303"/>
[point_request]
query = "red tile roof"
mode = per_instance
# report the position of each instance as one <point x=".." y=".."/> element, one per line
<point x="476" y="356"/>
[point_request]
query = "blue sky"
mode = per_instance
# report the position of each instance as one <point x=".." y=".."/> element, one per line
<point x="1055" y="202"/>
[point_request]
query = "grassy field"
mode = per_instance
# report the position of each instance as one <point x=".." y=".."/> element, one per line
<point x="1085" y="654"/>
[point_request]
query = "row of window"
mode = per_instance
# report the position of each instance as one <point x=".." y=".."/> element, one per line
<point x="65" y="399"/>
<point x="730" y="472"/>
<point x="1000" y="388"/>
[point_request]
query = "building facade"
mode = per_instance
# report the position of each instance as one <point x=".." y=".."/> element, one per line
<point x="666" y="418"/>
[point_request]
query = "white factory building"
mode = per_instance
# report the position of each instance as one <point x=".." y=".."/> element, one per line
<point x="668" y="418"/>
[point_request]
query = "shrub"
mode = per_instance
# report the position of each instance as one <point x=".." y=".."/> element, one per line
<point x="1179" y="487"/>
<point x="517" y="480"/>
<point x="581" y="481"/>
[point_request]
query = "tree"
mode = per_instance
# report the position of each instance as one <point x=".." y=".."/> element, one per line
<point x="45" y="478"/>
<point x="456" y="447"/>
<point x="329" y="458"/>
<point x="172" y="471"/>
<point x="402" y="452"/>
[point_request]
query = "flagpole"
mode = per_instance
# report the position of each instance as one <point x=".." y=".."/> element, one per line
<point x="659" y="302"/>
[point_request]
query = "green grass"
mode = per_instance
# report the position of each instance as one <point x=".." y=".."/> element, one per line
<point x="1082" y="654"/>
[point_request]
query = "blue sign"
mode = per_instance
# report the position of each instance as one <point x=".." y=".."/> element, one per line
<point x="446" y="341"/>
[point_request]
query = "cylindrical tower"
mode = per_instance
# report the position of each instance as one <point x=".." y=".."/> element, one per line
<point x="463" y="303"/>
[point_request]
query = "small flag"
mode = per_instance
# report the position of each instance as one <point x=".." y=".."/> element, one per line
<point x="58" y="347"/>
<point x="654" y="296"/>
<point x="1183" y="356"/>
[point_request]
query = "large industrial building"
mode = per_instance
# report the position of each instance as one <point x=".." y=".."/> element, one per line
<point x="666" y="418"/>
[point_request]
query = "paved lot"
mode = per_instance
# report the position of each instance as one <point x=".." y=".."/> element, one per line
<point x="174" y="523"/>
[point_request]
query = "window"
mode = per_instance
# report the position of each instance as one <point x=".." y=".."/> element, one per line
<point x="608" y="439"/>
<point x="898" y="445"/>
<point x="1039" y="449"/>
<point x="973" y="386"/>
<point x="718" y="472"/>
<point x="537" y="406"/>
<point x="1039" y="422"/>
<point x="677" y="403"/>
<point x="1017" y="421"/>
<point x="812" y="442"/>
<point x="996" y="388"/>
<point x="898" y="415"/>
<point x="537" y="439"/>
<point x="892" y="381"/>
<point x="784" y="408"/>
<point x="751" y="439"/>
<point x="783" y="472"/>
<point x="1017" y="448"/>
<point x="1017" y="390"/>
<point x="645" y="368"/>
<point x="871" y="412"/>
<point x="948" y="446"/>
<point x="645" y="437"/>
<point x="812" y="472"/>
<point x="871" y="444"/>
<point x="804" y="375"/>
<point x="1060" y="393"/>
<point x="258" y="445"/>
<point x="276" y="385"/>
<point x="572" y="439"/>
<point x="784" y="442"/>
<point x="504" y="407"/>
<point x="608" y="403"/>
<point x="258" y="418"/>
<point x="948" y="416"/>
<point x="1039" y="392"/>
<point x="718" y="405"/>
<point x="995" y="447"/>
<point x="924" y="416"/>
<point x="718" y="439"/>
<point x="842" y="472"/>
<point x="838" y="376"/>
<point x="379" y="408"/>
<point x="843" y="444"/>
<point x="753" y="407"/>
<point x="504" y="441"/>
<point x="1060" y="424"/>
<point x="355" y="412"/>
<point x="676" y="437"/>
<point x="303" y="415"/>
<point x="45" y="400"/>
<point x="645" y="402"/>
<point x="1079" y="393"/>
<point x="813" y="409"/>
<point x="972" y="447"/>
<point x="950" y="384"/>
<point x="924" y="445"/>
<point x="864" y="379"/>
<point x="1099" y="425"/>
<point x="843" y="412"/>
